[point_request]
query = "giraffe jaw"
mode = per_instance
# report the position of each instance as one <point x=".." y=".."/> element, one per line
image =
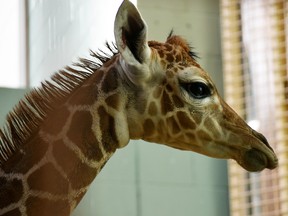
<point x="255" y="156"/>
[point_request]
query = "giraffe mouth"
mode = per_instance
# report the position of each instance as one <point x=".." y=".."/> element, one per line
<point x="257" y="159"/>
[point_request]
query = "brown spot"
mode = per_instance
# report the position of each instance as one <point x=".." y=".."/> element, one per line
<point x="178" y="57"/>
<point x="84" y="96"/>
<point x="177" y="101"/>
<point x="34" y="151"/>
<point x="113" y="101"/>
<point x="175" y="70"/>
<point x="90" y="146"/>
<point x="44" y="207"/>
<point x="15" y="212"/>
<point x="185" y="121"/>
<point x="204" y="135"/>
<point x="80" y="133"/>
<point x="48" y="179"/>
<point x="169" y="57"/>
<point x="110" y="82"/>
<point x="88" y="95"/>
<point x="191" y="136"/>
<point x="157" y="92"/>
<point x="78" y="173"/>
<point x="173" y="125"/>
<point x="10" y="191"/>
<point x="69" y="162"/>
<point x="56" y="121"/>
<point x="149" y="128"/>
<point x="109" y="136"/>
<point x="169" y="88"/>
<point x="82" y="175"/>
<point x="161" y="53"/>
<point x="168" y="47"/>
<point x="152" y="110"/>
<point x="166" y="104"/>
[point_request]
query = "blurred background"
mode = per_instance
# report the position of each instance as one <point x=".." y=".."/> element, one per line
<point x="241" y="44"/>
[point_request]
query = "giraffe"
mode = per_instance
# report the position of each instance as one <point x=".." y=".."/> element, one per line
<point x="59" y="137"/>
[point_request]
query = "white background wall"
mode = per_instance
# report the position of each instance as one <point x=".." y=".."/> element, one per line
<point x="12" y="44"/>
<point x="63" y="30"/>
<point x="142" y="179"/>
<point x="196" y="20"/>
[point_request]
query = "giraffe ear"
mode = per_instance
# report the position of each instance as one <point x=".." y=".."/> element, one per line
<point x="130" y="34"/>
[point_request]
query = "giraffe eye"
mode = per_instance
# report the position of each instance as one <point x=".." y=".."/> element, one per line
<point x="197" y="90"/>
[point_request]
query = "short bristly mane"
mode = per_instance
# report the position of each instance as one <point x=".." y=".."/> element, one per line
<point x="30" y="112"/>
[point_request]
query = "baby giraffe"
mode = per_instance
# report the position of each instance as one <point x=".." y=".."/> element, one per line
<point x="57" y="139"/>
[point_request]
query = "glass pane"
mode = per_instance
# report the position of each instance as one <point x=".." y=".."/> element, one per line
<point x="12" y="43"/>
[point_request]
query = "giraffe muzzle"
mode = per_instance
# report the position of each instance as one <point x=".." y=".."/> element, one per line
<point x="255" y="160"/>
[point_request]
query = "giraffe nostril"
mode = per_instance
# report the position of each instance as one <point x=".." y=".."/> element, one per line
<point x="262" y="138"/>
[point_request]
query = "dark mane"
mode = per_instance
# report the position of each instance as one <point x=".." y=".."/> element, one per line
<point x="190" y="50"/>
<point x="31" y="111"/>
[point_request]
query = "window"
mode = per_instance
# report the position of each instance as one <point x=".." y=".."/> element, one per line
<point x="255" y="78"/>
<point x="13" y="44"/>
<point x="55" y="38"/>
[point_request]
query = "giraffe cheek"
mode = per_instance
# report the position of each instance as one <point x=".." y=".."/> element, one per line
<point x="155" y="132"/>
<point x="152" y="110"/>
<point x="166" y="104"/>
<point x="185" y="121"/>
<point x="204" y="136"/>
<point x="211" y="126"/>
<point x="177" y="101"/>
<point x="190" y="137"/>
<point x="173" y="126"/>
<point x="149" y="128"/>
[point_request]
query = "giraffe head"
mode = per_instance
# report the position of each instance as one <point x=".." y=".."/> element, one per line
<point x="173" y="101"/>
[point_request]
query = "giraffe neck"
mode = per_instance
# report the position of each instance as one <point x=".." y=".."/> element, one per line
<point x="52" y="172"/>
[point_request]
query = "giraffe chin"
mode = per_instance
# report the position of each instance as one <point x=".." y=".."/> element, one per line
<point x="254" y="160"/>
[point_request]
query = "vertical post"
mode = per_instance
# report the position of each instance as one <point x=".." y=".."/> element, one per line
<point x="24" y="43"/>
<point x="279" y="13"/>
<point x="234" y="93"/>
